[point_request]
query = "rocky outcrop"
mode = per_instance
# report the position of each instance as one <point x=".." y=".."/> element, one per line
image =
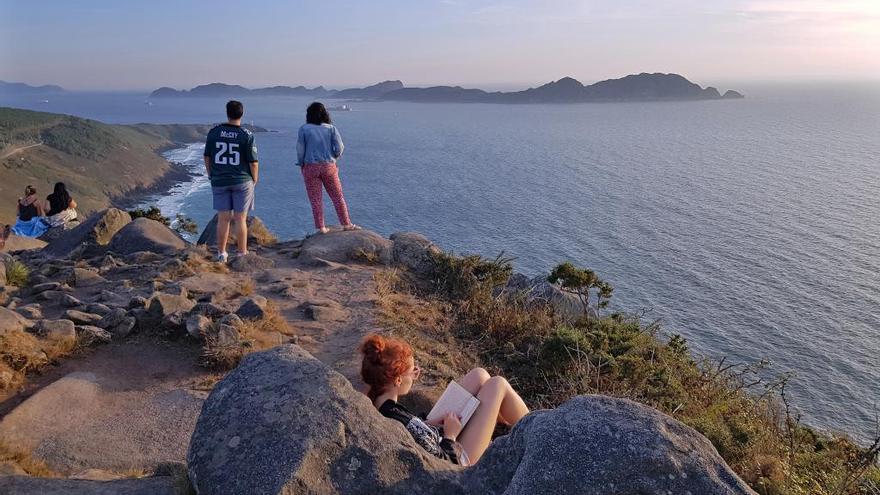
<point x="90" y="237"/>
<point x="258" y="234"/>
<point x="598" y="445"/>
<point x="283" y="422"/>
<point x="11" y="321"/>
<point x="19" y="243"/>
<point x="538" y="290"/>
<point x="144" y="234"/>
<point x="346" y="246"/>
<point x="414" y="251"/>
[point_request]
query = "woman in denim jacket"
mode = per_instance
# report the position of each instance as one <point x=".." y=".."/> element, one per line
<point x="318" y="146"/>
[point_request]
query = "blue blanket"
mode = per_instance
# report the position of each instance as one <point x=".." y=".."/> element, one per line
<point x="35" y="227"/>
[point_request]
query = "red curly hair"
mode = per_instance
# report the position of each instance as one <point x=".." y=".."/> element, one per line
<point x="385" y="359"/>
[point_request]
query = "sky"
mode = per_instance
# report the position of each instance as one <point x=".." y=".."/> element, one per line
<point x="102" y="45"/>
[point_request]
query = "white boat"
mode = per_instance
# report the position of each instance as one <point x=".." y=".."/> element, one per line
<point x="341" y="108"/>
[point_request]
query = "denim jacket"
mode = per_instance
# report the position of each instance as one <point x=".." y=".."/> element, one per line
<point x="318" y="144"/>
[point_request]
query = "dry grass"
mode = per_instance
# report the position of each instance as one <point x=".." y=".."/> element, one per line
<point x="426" y="325"/>
<point x="368" y="257"/>
<point x="22" y="353"/>
<point x="24" y="460"/>
<point x="254" y="335"/>
<point x="261" y="235"/>
<point x="17" y="273"/>
<point x="246" y="287"/>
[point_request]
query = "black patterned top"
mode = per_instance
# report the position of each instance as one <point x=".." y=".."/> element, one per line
<point x="428" y="436"/>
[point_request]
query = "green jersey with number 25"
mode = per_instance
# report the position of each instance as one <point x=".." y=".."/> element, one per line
<point x="231" y="150"/>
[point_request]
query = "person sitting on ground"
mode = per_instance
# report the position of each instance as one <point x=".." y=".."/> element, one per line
<point x="388" y="369"/>
<point x="30" y="221"/>
<point x="5" y="232"/>
<point x="318" y="147"/>
<point x="232" y="164"/>
<point x="61" y="206"/>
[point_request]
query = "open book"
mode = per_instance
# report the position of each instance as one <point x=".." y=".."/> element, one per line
<point x="455" y="400"/>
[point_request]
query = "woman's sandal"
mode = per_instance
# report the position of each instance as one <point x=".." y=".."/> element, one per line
<point x="351" y="227"/>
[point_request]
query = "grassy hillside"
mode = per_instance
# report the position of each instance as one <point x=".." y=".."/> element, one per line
<point x="97" y="161"/>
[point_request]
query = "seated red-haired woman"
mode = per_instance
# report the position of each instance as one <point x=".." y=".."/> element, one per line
<point x="389" y="371"/>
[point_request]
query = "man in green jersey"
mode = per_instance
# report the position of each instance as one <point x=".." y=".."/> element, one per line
<point x="231" y="161"/>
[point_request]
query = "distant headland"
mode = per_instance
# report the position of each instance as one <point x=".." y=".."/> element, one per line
<point x="635" y="87"/>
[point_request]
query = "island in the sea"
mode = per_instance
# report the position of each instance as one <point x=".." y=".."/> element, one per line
<point x="635" y="87"/>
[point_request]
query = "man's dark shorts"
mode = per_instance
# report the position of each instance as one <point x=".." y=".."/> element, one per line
<point x="238" y="198"/>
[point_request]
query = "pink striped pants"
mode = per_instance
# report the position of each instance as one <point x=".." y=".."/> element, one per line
<point x="317" y="174"/>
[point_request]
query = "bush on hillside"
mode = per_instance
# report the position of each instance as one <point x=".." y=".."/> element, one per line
<point x="17" y="273"/>
<point x="734" y="405"/>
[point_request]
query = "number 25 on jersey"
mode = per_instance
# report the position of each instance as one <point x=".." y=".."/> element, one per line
<point x="227" y="154"/>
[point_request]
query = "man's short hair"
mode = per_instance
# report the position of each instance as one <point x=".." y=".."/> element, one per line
<point x="234" y="110"/>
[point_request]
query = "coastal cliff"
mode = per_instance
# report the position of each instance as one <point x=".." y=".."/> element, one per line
<point x="99" y="162"/>
<point x="134" y="331"/>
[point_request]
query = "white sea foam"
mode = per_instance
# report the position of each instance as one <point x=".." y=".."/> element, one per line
<point x="171" y="202"/>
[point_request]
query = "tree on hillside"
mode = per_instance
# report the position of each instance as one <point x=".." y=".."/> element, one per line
<point x="582" y="282"/>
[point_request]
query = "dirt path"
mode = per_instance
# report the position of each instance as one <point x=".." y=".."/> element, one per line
<point x="22" y="148"/>
<point x="132" y="404"/>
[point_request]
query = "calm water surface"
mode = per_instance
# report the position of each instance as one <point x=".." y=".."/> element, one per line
<point x="750" y="227"/>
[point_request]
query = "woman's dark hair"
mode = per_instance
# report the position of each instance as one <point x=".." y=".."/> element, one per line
<point x="30" y="190"/>
<point x="317" y="114"/>
<point x="385" y="359"/>
<point x="60" y="197"/>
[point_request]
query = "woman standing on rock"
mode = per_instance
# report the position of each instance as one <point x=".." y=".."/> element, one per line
<point x="318" y="146"/>
<point x="389" y="371"/>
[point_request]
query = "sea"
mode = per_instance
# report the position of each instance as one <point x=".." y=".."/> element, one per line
<point x="751" y="227"/>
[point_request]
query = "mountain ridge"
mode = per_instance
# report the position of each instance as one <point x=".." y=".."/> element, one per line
<point x="634" y="87"/>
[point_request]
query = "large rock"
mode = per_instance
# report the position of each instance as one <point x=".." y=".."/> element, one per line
<point x="27" y="485"/>
<point x="344" y="246"/>
<point x="250" y="262"/>
<point x="144" y="234"/>
<point x="283" y="422"/>
<point x="162" y="305"/>
<point x="598" y="445"/>
<point x="90" y="237"/>
<point x="258" y="234"/>
<point x="21" y="243"/>
<point x="87" y="278"/>
<point x="12" y="321"/>
<point x="414" y="251"/>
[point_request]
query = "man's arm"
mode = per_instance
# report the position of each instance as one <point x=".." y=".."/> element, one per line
<point x="255" y="171"/>
<point x="208" y="165"/>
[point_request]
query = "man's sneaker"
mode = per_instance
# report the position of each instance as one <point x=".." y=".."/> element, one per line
<point x="221" y="257"/>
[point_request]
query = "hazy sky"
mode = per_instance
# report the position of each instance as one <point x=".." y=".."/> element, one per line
<point x="120" y="44"/>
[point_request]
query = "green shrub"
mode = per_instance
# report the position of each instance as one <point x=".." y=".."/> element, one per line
<point x="17" y="273"/>
<point x="466" y="277"/>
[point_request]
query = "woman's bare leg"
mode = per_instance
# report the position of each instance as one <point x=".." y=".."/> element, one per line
<point x="474" y="379"/>
<point x="497" y="398"/>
